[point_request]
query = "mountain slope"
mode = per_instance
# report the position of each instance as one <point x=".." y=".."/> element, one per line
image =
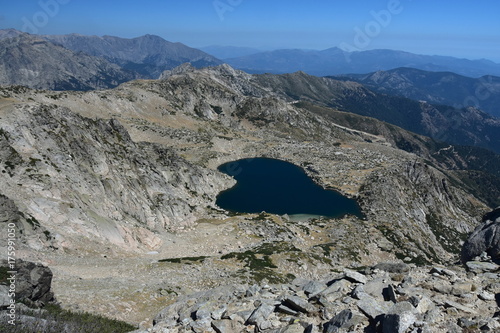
<point x="467" y="126"/>
<point x="435" y="87"/>
<point x="335" y="61"/>
<point x="148" y="55"/>
<point x="34" y="62"/>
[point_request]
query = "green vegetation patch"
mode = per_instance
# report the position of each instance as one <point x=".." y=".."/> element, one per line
<point x="259" y="263"/>
<point x="184" y="260"/>
<point x="346" y="251"/>
<point x="448" y="237"/>
<point x="3" y="274"/>
<point x="59" y="320"/>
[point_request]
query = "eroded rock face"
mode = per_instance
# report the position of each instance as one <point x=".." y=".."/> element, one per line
<point x="77" y="177"/>
<point x="484" y="239"/>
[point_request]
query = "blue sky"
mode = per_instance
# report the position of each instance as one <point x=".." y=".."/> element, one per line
<point x="462" y="28"/>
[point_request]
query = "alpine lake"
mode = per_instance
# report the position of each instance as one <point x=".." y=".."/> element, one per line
<point x="279" y="187"/>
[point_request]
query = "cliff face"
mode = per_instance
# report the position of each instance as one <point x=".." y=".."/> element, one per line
<point x="84" y="179"/>
<point x="421" y="211"/>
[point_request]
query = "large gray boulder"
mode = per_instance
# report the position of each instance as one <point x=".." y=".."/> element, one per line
<point x="33" y="283"/>
<point x="485" y="238"/>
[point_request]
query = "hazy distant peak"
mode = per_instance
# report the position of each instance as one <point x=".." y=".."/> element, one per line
<point x="226" y="52"/>
<point x="10" y="33"/>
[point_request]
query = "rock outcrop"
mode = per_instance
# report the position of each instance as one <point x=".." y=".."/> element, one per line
<point x="32" y="284"/>
<point x="484" y="240"/>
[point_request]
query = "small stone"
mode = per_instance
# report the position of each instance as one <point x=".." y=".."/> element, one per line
<point x="358" y="292"/>
<point x="286" y="310"/>
<point x="260" y="314"/>
<point x="461" y="289"/>
<point x="425" y="304"/>
<point x="338" y="286"/>
<point x="371" y="307"/>
<point x="399" y="323"/>
<point x="299" y="304"/>
<point x="390" y="293"/>
<point x="448" y="272"/>
<point x="354" y="276"/>
<point x="443" y="287"/>
<point x="459" y="306"/>
<point x="217" y="313"/>
<point x="314" y="287"/>
<point x="252" y="291"/>
<point x="266" y="324"/>
<point x="339" y="321"/>
<point x="376" y="288"/>
<point x="486" y="296"/>
<point x="479" y="267"/>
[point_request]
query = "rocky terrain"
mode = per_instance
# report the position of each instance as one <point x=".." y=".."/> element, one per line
<point x="115" y="191"/>
<point x="386" y="297"/>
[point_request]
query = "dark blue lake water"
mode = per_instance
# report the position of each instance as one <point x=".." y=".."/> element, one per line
<point x="279" y="187"/>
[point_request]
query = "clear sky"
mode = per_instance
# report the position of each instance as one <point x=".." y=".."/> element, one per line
<point x="461" y="28"/>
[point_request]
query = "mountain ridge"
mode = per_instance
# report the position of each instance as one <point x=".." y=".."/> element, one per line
<point x="149" y="54"/>
<point x="466" y="126"/>
<point x="335" y="61"/>
<point x="435" y="87"/>
<point x="34" y="62"/>
<point x="79" y="62"/>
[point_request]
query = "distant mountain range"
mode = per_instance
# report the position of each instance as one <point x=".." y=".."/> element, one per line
<point x="34" y="62"/>
<point x="76" y="62"/>
<point x="104" y="62"/>
<point x="148" y="55"/>
<point x="435" y="87"/>
<point x="335" y="61"/>
<point x="226" y="52"/>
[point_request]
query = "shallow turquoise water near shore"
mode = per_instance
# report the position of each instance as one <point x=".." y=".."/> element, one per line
<point x="279" y="187"/>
